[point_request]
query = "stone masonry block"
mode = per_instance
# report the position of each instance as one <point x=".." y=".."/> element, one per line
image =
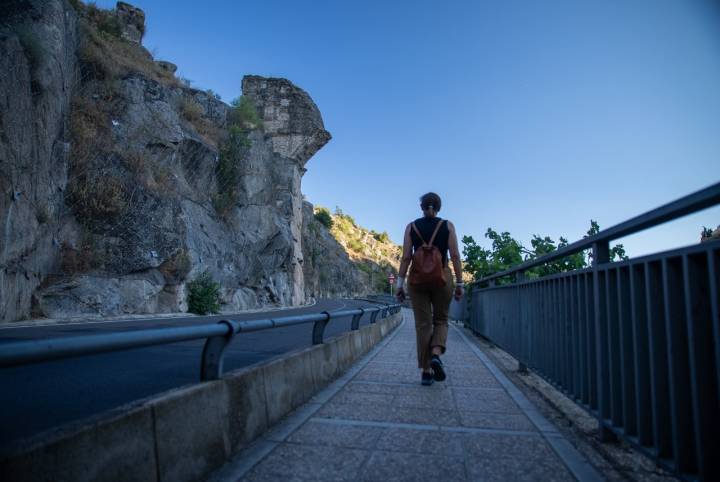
<point x="118" y="448"/>
<point x="288" y="384"/>
<point x="248" y="416"/>
<point x="324" y="362"/>
<point x="191" y="431"/>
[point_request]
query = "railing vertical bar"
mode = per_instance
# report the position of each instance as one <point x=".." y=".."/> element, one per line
<point x="591" y="281"/>
<point x="567" y="351"/>
<point x="658" y="359"/>
<point x="558" y="348"/>
<point x="714" y="275"/>
<point x="562" y="348"/>
<point x="627" y="367"/>
<point x="601" y="341"/>
<point x="676" y="329"/>
<point x="569" y="366"/>
<point x="549" y="306"/>
<point x="526" y="327"/>
<point x="531" y="324"/>
<point x="544" y="328"/>
<point x="706" y="420"/>
<point x="613" y="348"/>
<point x="574" y="338"/>
<point x="583" y="341"/>
<point x="638" y="315"/>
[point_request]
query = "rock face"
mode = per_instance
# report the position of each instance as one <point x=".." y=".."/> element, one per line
<point x="132" y="22"/>
<point x="120" y="185"/>
<point x="38" y="70"/>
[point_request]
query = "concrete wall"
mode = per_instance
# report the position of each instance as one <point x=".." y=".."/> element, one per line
<point x="185" y="433"/>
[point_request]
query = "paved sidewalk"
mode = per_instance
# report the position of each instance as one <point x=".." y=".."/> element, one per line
<point x="378" y="423"/>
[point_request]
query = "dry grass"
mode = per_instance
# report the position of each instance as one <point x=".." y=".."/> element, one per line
<point x="194" y="113"/>
<point x="152" y="175"/>
<point x="82" y="259"/>
<point x="177" y="267"/>
<point x="89" y="129"/>
<point x="191" y="110"/>
<point x="106" y="56"/>
<point x="98" y="197"/>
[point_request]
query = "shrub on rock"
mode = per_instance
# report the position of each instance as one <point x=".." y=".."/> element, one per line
<point x="203" y="295"/>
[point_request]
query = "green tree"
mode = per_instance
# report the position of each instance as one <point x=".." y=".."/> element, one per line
<point x="617" y="251"/>
<point x="477" y="258"/>
<point x="507" y="252"/>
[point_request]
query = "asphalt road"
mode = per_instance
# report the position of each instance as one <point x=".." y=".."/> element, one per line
<point x="42" y="396"/>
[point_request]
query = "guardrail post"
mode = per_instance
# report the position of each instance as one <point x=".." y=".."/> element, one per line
<point x="374" y="316"/>
<point x="355" y="324"/>
<point x="211" y="363"/>
<point x="319" y="329"/>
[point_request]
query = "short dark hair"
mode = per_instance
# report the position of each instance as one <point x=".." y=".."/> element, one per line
<point x="430" y="199"/>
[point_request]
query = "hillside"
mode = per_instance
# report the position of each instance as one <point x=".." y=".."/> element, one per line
<point x="341" y="254"/>
<point x="121" y="183"/>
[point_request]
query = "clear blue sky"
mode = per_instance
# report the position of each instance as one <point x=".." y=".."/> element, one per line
<point x="530" y="117"/>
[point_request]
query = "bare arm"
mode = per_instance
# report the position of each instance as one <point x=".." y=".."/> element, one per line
<point x="404" y="264"/>
<point x="407" y="253"/>
<point x="456" y="261"/>
<point x="455" y="253"/>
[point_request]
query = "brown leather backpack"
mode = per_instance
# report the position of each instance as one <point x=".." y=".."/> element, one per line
<point x="427" y="270"/>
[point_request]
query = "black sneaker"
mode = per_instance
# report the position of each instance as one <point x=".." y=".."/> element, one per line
<point x="438" y="370"/>
<point x="427" y="378"/>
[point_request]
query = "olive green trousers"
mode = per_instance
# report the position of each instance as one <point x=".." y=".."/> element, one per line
<point x="430" y="307"/>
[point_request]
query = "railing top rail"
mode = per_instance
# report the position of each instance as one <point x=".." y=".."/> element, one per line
<point x="689" y="204"/>
<point x="32" y="351"/>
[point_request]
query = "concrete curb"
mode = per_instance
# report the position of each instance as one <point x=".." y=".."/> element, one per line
<point x="186" y="433"/>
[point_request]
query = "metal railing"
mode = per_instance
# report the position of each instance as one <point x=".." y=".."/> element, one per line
<point x="636" y="342"/>
<point x="219" y="336"/>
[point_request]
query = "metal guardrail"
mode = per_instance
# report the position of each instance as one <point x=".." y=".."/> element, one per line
<point x="218" y="335"/>
<point x="637" y="342"/>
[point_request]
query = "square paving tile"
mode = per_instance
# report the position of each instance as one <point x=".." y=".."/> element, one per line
<point x="476" y="381"/>
<point x="421" y="441"/>
<point x="393" y="388"/>
<point x="362" y="398"/>
<point x="403" y="375"/>
<point x="502" y="421"/>
<point x="389" y="413"/>
<point x="494" y="401"/>
<point x="397" y="466"/>
<point x="307" y="463"/>
<point x="350" y="436"/>
<point x="517" y="469"/>
<point x="491" y="445"/>
<point x="434" y="399"/>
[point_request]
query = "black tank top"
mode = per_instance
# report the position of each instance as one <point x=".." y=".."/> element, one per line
<point x="426" y="226"/>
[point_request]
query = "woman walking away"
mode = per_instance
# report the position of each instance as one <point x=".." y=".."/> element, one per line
<point x="426" y="244"/>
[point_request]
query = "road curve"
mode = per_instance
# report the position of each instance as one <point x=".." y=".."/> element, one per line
<point x="39" y="397"/>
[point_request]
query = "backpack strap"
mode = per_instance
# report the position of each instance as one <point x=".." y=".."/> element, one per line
<point x="417" y="231"/>
<point x="437" y="228"/>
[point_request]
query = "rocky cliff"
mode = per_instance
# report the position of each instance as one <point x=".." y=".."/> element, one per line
<point x="119" y="183"/>
<point x="344" y="259"/>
